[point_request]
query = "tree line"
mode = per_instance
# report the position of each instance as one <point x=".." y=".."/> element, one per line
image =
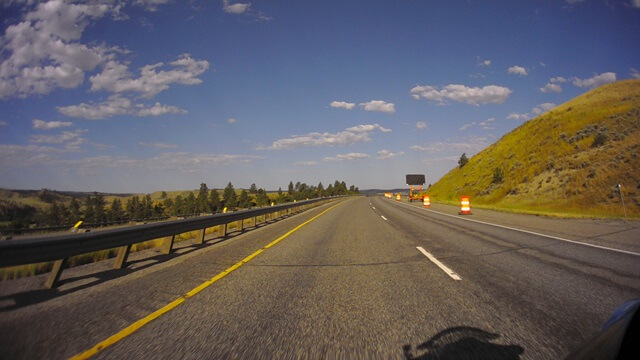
<point x="95" y="209"/>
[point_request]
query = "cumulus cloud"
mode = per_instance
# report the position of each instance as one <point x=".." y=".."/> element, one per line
<point x="386" y="154"/>
<point x="635" y="4"/>
<point x="48" y="125"/>
<point x="421" y="125"/>
<point x="490" y="94"/>
<point x="232" y="120"/>
<point x="116" y="105"/>
<point x="594" y="81"/>
<point x="158" y="109"/>
<point x="542" y="108"/>
<point x="352" y="135"/>
<point x="485" y="62"/>
<point x="517" y="70"/>
<point x="378" y="105"/>
<point x="43" y="51"/>
<point x="346" y="157"/>
<point x="158" y="145"/>
<point x="3" y="123"/>
<point x="342" y="105"/>
<point x="237" y="8"/>
<point x="634" y="72"/>
<point x="516" y="116"/>
<point x="116" y="78"/>
<point x="550" y="87"/>
<point x="243" y="9"/>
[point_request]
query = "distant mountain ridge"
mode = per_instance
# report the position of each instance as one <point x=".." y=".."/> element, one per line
<point x="567" y="160"/>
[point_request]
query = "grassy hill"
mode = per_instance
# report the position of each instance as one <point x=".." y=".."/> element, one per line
<point x="566" y="161"/>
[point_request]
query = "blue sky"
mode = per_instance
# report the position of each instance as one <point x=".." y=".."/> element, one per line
<point x="147" y="95"/>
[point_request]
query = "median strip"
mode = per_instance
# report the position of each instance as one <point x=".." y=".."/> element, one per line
<point x="163" y="310"/>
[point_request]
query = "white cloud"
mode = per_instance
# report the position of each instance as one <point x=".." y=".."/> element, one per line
<point x="238" y="8"/>
<point x="487" y="124"/>
<point x="158" y="145"/>
<point x="517" y="70"/>
<point x="516" y="116"/>
<point x="3" y="123"/>
<point x="485" y="62"/>
<point x="150" y="5"/>
<point x="306" y="163"/>
<point x="634" y="72"/>
<point x="378" y="105"/>
<point x="542" y="108"/>
<point x="43" y="51"/>
<point x="557" y="80"/>
<point x="48" y="125"/>
<point x="116" y="78"/>
<point x="116" y="105"/>
<point x="466" y="126"/>
<point x="342" y="105"/>
<point x="158" y="109"/>
<point x="635" y="4"/>
<point x="63" y="137"/>
<point x="386" y="154"/>
<point x="232" y="120"/>
<point x="469" y="145"/>
<point x="346" y="157"/>
<point x="421" y="125"/>
<point x="551" y="87"/>
<point x="352" y="135"/>
<point x="490" y="94"/>
<point x="594" y="81"/>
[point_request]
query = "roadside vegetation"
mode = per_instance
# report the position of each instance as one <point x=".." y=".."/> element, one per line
<point x="23" y="209"/>
<point x="566" y="162"/>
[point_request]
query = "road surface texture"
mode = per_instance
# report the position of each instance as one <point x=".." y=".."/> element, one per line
<point x="369" y="278"/>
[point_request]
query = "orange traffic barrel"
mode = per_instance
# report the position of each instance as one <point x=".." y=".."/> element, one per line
<point x="398" y="197"/>
<point x="465" y="206"/>
<point x="426" y="202"/>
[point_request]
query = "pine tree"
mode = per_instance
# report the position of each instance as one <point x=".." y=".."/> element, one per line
<point x="463" y="160"/>
<point x="244" y="201"/>
<point x="253" y="189"/>
<point x="116" y="212"/>
<point x="203" y="199"/>
<point x="229" y="197"/>
<point x="214" y="201"/>
<point x="190" y="204"/>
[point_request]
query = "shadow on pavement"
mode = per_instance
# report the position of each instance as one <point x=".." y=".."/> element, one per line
<point x="81" y="282"/>
<point x="463" y="342"/>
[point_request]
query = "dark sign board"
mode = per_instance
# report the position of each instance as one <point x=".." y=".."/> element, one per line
<point x="415" y="179"/>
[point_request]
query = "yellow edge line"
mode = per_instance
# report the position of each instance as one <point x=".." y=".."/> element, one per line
<point x="156" y="314"/>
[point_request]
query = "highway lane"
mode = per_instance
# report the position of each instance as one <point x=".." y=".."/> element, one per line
<point x="351" y="283"/>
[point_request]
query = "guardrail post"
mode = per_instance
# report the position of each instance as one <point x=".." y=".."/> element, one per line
<point x="241" y="225"/>
<point x="255" y="221"/>
<point x="222" y="232"/>
<point x="200" y="236"/>
<point x="121" y="259"/>
<point x="168" y="244"/>
<point x="52" y="281"/>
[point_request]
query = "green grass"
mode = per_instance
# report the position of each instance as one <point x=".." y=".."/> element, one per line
<point x="549" y="167"/>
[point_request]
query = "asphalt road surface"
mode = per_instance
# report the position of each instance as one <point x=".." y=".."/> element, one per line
<point x="369" y="278"/>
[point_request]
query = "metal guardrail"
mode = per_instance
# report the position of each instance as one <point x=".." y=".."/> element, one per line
<point x="59" y="248"/>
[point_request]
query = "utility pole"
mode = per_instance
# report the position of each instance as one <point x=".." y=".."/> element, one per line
<point x="622" y="198"/>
